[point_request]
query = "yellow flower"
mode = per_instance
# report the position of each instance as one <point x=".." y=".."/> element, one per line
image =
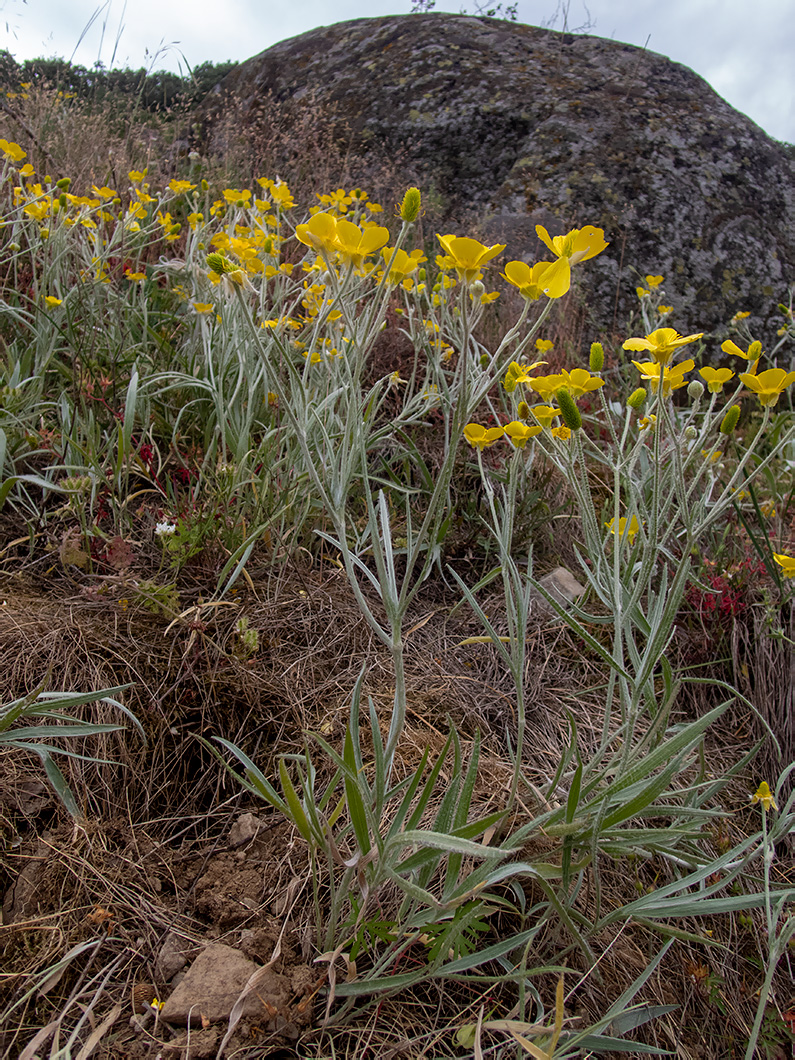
<point x="27" y="170"/>
<point x="338" y="200"/>
<point x="51" y="300"/>
<point x="353" y="244"/>
<point x="787" y="564"/>
<point x="542" y="345"/>
<point x="519" y="373"/>
<point x="12" y="151"/>
<point x="579" y="381"/>
<point x="752" y="354"/>
<point x="518" y="433"/>
<point x="631" y="530"/>
<point x="741" y="315"/>
<point x="402" y="265"/>
<point x="664" y="310"/>
<point x="546" y="386"/>
<point x="642" y="293"/>
<point x="236" y="195"/>
<point x="654" y="281"/>
<point x="319" y="232"/>
<point x="563" y="432"/>
<point x="764" y="795"/>
<point x="716" y="378"/>
<point x="545" y="414"/>
<point x="661" y="344"/>
<point x="481" y="437"/>
<point x="768" y="386"/>
<point x="179" y="187"/>
<point x="202" y="307"/>
<point x="543" y="278"/>
<point x="673" y="378"/>
<point x="467" y="256"/>
<point x="578" y="245"/>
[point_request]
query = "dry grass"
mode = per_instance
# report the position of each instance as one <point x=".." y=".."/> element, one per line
<point x="153" y="858"/>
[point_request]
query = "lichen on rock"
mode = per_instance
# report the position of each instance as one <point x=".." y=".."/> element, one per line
<point x="511" y="125"/>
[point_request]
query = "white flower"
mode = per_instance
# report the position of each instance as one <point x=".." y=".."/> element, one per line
<point x="165" y="528"/>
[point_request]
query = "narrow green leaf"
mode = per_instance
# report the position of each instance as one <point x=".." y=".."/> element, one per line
<point x="354" y="796"/>
<point x="58" y="781"/>
<point x="296" y="814"/>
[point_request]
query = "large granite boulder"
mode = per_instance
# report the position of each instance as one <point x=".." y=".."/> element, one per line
<point x="508" y="125"/>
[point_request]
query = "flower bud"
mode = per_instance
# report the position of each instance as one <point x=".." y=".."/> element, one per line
<point x="597" y="359"/>
<point x="754" y="351"/>
<point x="476" y="289"/>
<point x="484" y="360"/>
<point x="64" y="183"/>
<point x="691" y="433"/>
<point x="422" y="275"/>
<point x="62" y="200"/>
<point x="730" y="420"/>
<point x="410" y="208"/>
<point x="217" y="263"/>
<point x="637" y="399"/>
<point x="523" y="411"/>
<point x="205" y="186"/>
<point x="569" y="412"/>
<point x="695" y="390"/>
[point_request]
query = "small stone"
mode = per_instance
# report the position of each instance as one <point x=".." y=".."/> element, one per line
<point x="244" y="829"/>
<point x="171" y="958"/>
<point x="562" y="586"/>
<point x="215" y="981"/>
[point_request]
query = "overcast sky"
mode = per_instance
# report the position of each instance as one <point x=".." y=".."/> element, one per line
<point x="744" y="48"/>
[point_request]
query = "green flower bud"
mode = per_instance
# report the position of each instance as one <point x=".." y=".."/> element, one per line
<point x="754" y="352"/>
<point x="695" y="390"/>
<point x="422" y="275"/>
<point x="410" y="208"/>
<point x="730" y="420"/>
<point x="476" y="289"/>
<point x="691" y="433"/>
<point x="597" y="359"/>
<point x="219" y="264"/>
<point x="523" y="411"/>
<point x="484" y="360"/>
<point x="637" y="399"/>
<point x="62" y="201"/>
<point x="64" y="183"/>
<point x="569" y="412"/>
<point x="205" y="186"/>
